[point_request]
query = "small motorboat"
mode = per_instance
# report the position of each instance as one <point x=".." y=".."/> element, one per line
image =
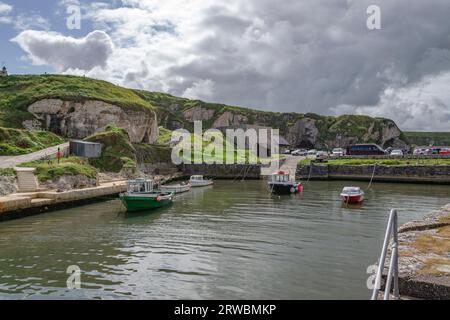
<point x="177" y="188"/>
<point x="352" y="195"/>
<point x="281" y="183"/>
<point x="141" y="196"/>
<point x="199" y="181"/>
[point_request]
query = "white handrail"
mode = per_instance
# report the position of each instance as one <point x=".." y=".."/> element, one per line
<point x="392" y="230"/>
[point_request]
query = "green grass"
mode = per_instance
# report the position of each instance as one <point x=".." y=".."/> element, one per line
<point x="427" y="138"/>
<point x="16" y="142"/>
<point x="384" y="162"/>
<point x="7" y="172"/>
<point x="150" y="153"/>
<point x="117" y="153"/>
<point x="46" y="170"/>
<point x="17" y="92"/>
<point x="164" y="136"/>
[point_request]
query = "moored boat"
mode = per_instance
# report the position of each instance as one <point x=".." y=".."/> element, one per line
<point x="281" y="183"/>
<point x="177" y="188"/>
<point x="141" y="196"/>
<point x="352" y="195"/>
<point x="199" y="181"/>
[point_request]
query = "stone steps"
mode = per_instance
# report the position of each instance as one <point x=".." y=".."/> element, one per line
<point x="26" y="180"/>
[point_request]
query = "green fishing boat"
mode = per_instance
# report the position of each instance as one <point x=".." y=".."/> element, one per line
<point x="141" y="196"/>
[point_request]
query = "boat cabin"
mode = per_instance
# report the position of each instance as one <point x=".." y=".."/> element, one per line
<point x="351" y="190"/>
<point x="140" y="186"/>
<point x="281" y="176"/>
<point x="197" y="178"/>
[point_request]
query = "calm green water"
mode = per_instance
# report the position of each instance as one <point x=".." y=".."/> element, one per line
<point x="231" y="241"/>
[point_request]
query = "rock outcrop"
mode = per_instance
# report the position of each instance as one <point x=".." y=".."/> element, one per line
<point x="229" y="119"/>
<point x="303" y="133"/>
<point x="79" y="120"/>
<point x="198" y="114"/>
<point x="8" y="184"/>
<point x="69" y="182"/>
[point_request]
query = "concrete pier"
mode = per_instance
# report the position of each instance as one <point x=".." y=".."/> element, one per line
<point x="22" y="204"/>
<point x="424" y="257"/>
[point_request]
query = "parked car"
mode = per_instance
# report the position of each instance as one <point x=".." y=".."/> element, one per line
<point x="365" y="150"/>
<point x="299" y="152"/>
<point x="396" y="152"/>
<point x="420" y="151"/>
<point x="337" y="152"/>
<point x="444" y="151"/>
<point x="321" y="155"/>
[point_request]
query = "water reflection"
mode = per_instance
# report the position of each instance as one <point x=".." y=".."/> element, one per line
<point x="232" y="240"/>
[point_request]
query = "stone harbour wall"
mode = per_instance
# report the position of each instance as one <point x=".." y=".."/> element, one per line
<point x="417" y="174"/>
<point x="223" y="171"/>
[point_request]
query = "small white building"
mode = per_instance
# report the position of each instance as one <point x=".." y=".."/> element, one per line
<point x="3" y="72"/>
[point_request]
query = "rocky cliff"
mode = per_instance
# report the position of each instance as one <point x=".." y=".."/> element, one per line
<point x="300" y="130"/>
<point x="81" y="119"/>
<point x="77" y="107"/>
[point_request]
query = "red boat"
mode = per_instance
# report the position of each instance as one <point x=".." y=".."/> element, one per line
<point x="352" y="195"/>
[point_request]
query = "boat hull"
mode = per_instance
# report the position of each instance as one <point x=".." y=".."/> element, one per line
<point x="204" y="183"/>
<point x="145" y="202"/>
<point x="353" y="199"/>
<point x="283" y="188"/>
<point x="176" y="188"/>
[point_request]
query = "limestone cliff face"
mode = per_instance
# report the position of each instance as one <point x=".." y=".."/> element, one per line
<point x="198" y="114"/>
<point x="228" y="119"/>
<point x="79" y="120"/>
<point x="303" y="133"/>
<point x="304" y="130"/>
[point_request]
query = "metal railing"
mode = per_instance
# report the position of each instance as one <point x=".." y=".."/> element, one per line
<point x="392" y="276"/>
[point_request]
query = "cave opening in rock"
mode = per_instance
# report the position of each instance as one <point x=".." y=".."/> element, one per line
<point x="305" y="144"/>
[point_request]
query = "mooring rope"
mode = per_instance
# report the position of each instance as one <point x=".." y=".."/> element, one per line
<point x="310" y="171"/>
<point x="373" y="175"/>
<point x="246" y="171"/>
<point x="239" y="174"/>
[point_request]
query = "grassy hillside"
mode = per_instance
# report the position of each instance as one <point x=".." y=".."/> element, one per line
<point x="17" y="92"/>
<point x="72" y="166"/>
<point x="170" y="111"/>
<point x="428" y="138"/>
<point x="119" y="153"/>
<point x="16" y="142"/>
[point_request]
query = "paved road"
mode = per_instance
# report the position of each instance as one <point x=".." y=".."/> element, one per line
<point x="13" y="161"/>
<point x="290" y="165"/>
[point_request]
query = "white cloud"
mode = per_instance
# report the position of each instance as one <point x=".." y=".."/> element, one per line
<point x="22" y="21"/>
<point x="201" y="90"/>
<point x="5" y="8"/>
<point x="424" y="106"/>
<point x="31" y="21"/>
<point x="66" y="52"/>
<point x="301" y="55"/>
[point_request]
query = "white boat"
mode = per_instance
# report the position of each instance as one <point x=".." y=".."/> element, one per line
<point x="199" y="181"/>
<point x="177" y="188"/>
<point x="352" y="195"/>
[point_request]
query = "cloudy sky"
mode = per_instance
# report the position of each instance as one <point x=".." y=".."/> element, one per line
<point x="291" y="55"/>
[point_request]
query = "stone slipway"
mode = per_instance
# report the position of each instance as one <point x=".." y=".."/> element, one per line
<point x="424" y="256"/>
<point x="18" y="205"/>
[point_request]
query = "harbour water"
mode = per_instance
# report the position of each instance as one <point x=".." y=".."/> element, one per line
<point x="229" y="241"/>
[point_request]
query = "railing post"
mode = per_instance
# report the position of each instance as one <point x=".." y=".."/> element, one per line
<point x="395" y="256"/>
<point x="382" y="259"/>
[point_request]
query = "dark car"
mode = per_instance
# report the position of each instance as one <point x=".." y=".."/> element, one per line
<point x="365" y="150"/>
